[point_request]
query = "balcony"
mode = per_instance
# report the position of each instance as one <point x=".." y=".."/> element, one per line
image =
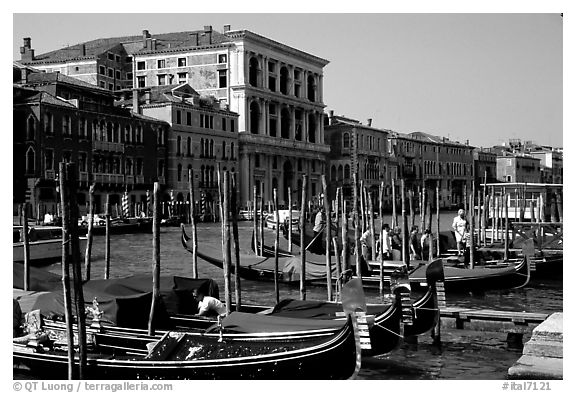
<point x="139" y="179"/>
<point x="108" y="146"/>
<point x="50" y="175"/>
<point x="108" y="178"/>
<point x="129" y="179"/>
<point x="83" y="176"/>
<point x="207" y="184"/>
<point x="161" y="180"/>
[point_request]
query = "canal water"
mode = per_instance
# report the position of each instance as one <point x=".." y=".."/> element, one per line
<point x="461" y="356"/>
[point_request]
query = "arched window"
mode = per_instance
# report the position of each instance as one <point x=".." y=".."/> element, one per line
<point x="285" y="122"/>
<point x="254" y="117"/>
<point x="127" y="134"/>
<point x="201" y="147"/>
<point x="340" y="173"/>
<point x="161" y="168"/>
<point x="179" y="172"/>
<point x="284" y="79"/>
<point x="274" y="183"/>
<point x="189" y="147"/>
<point x="116" y="132"/>
<point x="224" y="149"/>
<point x="30" y="160"/>
<point x="311" y="88"/>
<point x="212" y="148"/>
<point x="178" y="145"/>
<point x="346" y="140"/>
<point x="311" y="128"/>
<point x="333" y="173"/>
<point x="30" y="128"/>
<point x="202" y="177"/>
<point x="95" y="130"/>
<point x="48" y="120"/>
<point x="347" y="171"/>
<point x="129" y="166"/>
<point x="254" y="70"/>
<point x="232" y="150"/>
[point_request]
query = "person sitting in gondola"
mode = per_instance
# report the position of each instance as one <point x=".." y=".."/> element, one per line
<point x="208" y="305"/>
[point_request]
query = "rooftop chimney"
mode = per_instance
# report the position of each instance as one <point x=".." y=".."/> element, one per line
<point x="208" y="33"/>
<point x="331" y="117"/>
<point x="83" y="49"/>
<point x="194" y="38"/>
<point x="26" y="51"/>
<point x="135" y="102"/>
<point x="207" y="29"/>
<point x="145" y="38"/>
<point x="369" y="122"/>
<point x="226" y="28"/>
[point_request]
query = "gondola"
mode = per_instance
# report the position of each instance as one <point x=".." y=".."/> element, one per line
<point x="44" y="244"/>
<point x="479" y="279"/>
<point x="185" y="355"/>
<point x="253" y="267"/>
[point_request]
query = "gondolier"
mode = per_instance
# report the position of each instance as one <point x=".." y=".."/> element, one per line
<point x="319" y="224"/>
<point x="460" y="226"/>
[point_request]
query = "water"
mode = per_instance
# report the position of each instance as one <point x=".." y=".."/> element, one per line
<point x="463" y="355"/>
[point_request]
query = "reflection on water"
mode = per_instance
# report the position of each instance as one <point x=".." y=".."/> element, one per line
<point x="475" y="356"/>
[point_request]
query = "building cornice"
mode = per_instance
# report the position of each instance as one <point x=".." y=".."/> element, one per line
<point x="248" y="35"/>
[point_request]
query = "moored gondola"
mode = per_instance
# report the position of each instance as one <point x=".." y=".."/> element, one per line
<point x="185" y="355"/>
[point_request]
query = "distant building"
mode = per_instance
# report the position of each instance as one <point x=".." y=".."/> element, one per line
<point x="484" y="166"/>
<point x="202" y="136"/>
<point x="518" y="168"/>
<point x="425" y="160"/>
<point x="359" y="148"/>
<point x="551" y="164"/>
<point x="59" y="118"/>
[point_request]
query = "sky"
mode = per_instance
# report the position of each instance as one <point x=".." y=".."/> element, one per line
<point x="485" y="78"/>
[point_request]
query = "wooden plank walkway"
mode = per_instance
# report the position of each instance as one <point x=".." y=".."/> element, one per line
<point x="491" y="320"/>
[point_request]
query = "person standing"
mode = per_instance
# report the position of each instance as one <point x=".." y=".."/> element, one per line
<point x="460" y="226"/>
<point x="319" y="224"/>
<point x="414" y="244"/>
<point x="386" y="242"/>
<point x="425" y="244"/>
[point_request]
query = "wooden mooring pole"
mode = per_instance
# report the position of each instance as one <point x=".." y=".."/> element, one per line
<point x="335" y="243"/>
<point x="193" y="224"/>
<point x="155" y="257"/>
<point x="107" y="240"/>
<point x="438" y="218"/>
<point x="223" y="187"/>
<point x="236" y="241"/>
<point x="262" y="219"/>
<point x="255" y="219"/>
<point x="289" y="219"/>
<point x="26" y="246"/>
<point x="405" y="246"/>
<point x="381" y="231"/>
<point x="356" y="223"/>
<point x="394" y="215"/>
<point x="77" y="270"/>
<point x="89" y="236"/>
<point x="328" y="231"/>
<point x="276" y="245"/>
<point x="302" y="240"/>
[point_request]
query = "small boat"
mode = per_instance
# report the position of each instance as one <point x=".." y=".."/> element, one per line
<point x="45" y="244"/>
<point x="119" y="226"/>
<point x="186" y="355"/>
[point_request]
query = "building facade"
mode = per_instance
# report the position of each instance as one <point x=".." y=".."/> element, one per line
<point x="202" y="136"/>
<point x="277" y="91"/>
<point x="518" y="168"/>
<point x="551" y="166"/>
<point x="484" y="166"/>
<point x="58" y="118"/>
<point x="360" y="149"/>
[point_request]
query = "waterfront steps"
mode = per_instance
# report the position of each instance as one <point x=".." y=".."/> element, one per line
<point x="542" y="356"/>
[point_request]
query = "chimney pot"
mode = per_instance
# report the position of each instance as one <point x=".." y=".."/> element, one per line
<point x="226" y="28"/>
<point x="369" y="122"/>
<point x="83" y="49"/>
<point x="207" y="29"/>
<point x="145" y="34"/>
<point x="27" y="42"/>
<point x="135" y="102"/>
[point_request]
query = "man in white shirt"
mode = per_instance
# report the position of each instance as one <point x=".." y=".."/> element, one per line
<point x="208" y="305"/>
<point x="386" y="242"/>
<point x="460" y="226"/>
